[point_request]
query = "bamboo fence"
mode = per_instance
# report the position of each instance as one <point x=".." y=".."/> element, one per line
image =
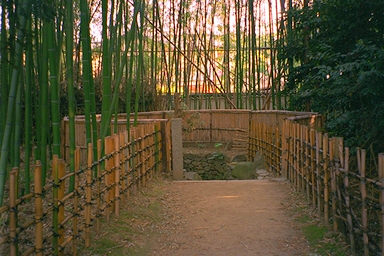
<point x="54" y="219"/>
<point x="348" y="196"/>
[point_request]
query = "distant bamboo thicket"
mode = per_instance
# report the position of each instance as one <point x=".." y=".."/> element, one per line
<point x="63" y="58"/>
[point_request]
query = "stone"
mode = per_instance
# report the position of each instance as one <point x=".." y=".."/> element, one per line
<point x="244" y="171"/>
<point x="192" y="176"/>
<point x="262" y="172"/>
<point x="259" y="161"/>
<point x="239" y="158"/>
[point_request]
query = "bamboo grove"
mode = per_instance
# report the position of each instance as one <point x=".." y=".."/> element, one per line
<point x="67" y="58"/>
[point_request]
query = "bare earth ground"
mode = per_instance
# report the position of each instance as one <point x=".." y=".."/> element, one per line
<point x="228" y="218"/>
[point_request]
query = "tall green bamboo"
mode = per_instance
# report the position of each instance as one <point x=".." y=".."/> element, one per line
<point x="24" y="7"/>
<point x="29" y="78"/>
<point x="106" y="69"/>
<point x="53" y="58"/>
<point x="70" y="88"/>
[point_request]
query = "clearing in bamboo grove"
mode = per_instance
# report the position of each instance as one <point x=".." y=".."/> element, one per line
<point x="98" y="98"/>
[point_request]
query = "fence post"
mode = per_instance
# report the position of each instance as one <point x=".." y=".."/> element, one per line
<point x="109" y="147"/>
<point x="361" y="157"/>
<point x="313" y="164"/>
<point x="98" y="184"/>
<point x="122" y="160"/>
<point x="38" y="190"/>
<point x="55" y="213"/>
<point x="13" y="212"/>
<point x="319" y="141"/>
<point x="348" y="203"/>
<point x="307" y="163"/>
<point x="88" y="197"/>
<point x="75" y="201"/>
<point x="326" y="178"/>
<point x="332" y="154"/>
<point x="60" y="196"/>
<point x="381" y="195"/>
<point x="117" y="174"/>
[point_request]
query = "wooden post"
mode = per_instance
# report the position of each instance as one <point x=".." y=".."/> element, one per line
<point x="60" y="196"/>
<point x="296" y="156"/>
<point x="117" y="174"/>
<point x="348" y="203"/>
<point x="381" y="198"/>
<point x="98" y="184"/>
<point x="88" y="196"/>
<point x="361" y="157"/>
<point x="142" y="156"/>
<point x="122" y="159"/>
<point x="134" y="161"/>
<point x="319" y="140"/>
<point x="127" y="160"/>
<point x="109" y="163"/>
<point x="38" y="190"/>
<point x="76" y="202"/>
<point x="332" y="156"/>
<point x="284" y="150"/>
<point x="13" y="212"/>
<point x="312" y="142"/>
<point x="306" y="161"/>
<point x="55" y="212"/>
<point x="326" y="178"/>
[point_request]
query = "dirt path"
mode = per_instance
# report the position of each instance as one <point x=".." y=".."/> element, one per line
<point x="229" y="218"/>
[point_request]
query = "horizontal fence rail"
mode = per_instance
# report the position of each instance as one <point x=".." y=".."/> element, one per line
<point x="348" y="196"/>
<point x="57" y="217"/>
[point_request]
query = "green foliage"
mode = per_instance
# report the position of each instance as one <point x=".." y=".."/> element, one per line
<point x="338" y="54"/>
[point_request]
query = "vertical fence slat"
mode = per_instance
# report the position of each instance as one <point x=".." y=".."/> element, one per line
<point x="76" y="202"/>
<point x="332" y="153"/>
<point x="38" y="190"/>
<point x="117" y="174"/>
<point x="326" y="178"/>
<point x="361" y="159"/>
<point x="55" y="213"/>
<point x="348" y="203"/>
<point x="88" y="195"/>
<point x="60" y="196"/>
<point x="13" y="212"/>
<point x="313" y="164"/>
<point x="381" y="196"/>
<point x="319" y="142"/>
<point x="98" y="188"/>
